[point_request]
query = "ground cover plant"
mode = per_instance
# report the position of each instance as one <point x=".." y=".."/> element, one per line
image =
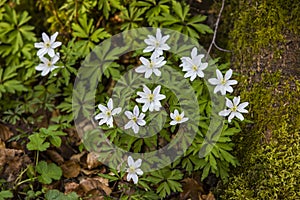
<point x="54" y="129"/>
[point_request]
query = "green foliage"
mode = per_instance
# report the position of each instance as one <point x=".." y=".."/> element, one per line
<point x="37" y="140"/>
<point x="5" y="194"/>
<point x="48" y="172"/>
<point x="57" y="195"/>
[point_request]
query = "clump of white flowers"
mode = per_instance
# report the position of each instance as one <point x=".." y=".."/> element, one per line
<point x="193" y="67"/>
<point x="47" y="47"/>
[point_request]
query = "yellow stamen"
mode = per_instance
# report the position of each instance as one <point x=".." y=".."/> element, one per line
<point x="178" y="118"/>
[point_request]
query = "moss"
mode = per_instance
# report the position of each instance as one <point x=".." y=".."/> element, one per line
<point x="268" y="149"/>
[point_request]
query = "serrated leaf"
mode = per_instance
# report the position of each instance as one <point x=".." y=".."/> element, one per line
<point x="48" y="172"/>
<point x="37" y="143"/>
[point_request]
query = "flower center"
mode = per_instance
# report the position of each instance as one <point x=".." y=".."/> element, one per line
<point x="134" y="119"/>
<point x="178" y="118"/>
<point x="49" y="64"/>
<point x="151" y="97"/>
<point x="223" y="81"/>
<point x="131" y="169"/>
<point x="195" y="68"/>
<point x="151" y="65"/>
<point x="157" y="44"/>
<point x="108" y="113"/>
<point x="47" y="44"/>
<point x="234" y="109"/>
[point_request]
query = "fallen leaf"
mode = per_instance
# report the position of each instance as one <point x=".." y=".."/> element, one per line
<point x="55" y="156"/>
<point x="191" y="189"/>
<point x="210" y="196"/>
<point x="92" y="160"/>
<point x="5" y="133"/>
<point x="2" y="144"/>
<point x="71" y="187"/>
<point x="71" y="169"/>
<point x="12" y="161"/>
<point x="97" y="183"/>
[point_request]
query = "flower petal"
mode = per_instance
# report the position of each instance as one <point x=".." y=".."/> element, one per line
<point x="45" y="37"/>
<point x="130" y="161"/>
<point x="228" y="74"/>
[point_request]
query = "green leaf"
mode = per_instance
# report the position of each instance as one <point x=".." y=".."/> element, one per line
<point x="37" y="143"/>
<point x="6" y="194"/>
<point x="48" y="172"/>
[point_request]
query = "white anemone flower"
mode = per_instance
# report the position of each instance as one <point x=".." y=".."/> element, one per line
<point x="235" y="109"/>
<point x="223" y="84"/>
<point x="134" y="169"/>
<point x="107" y="113"/>
<point x="47" y="65"/>
<point x="136" y="119"/>
<point x="193" y="65"/>
<point x="48" y="46"/>
<point x="151" y="100"/>
<point x="177" y="118"/>
<point x="151" y="66"/>
<point x="157" y="44"/>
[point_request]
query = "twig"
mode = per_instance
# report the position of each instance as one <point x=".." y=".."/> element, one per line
<point x="213" y="42"/>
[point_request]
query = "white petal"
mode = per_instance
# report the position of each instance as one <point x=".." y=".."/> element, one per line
<point x="129" y="176"/>
<point x="228" y="74"/>
<point x="146" y="90"/>
<point x="236" y="100"/>
<point x="116" y="111"/>
<point x="40" y="67"/>
<point x="160" y="97"/>
<point x="53" y="37"/>
<point x="241" y="107"/>
<point x="130" y="161"/>
<point x="42" y="52"/>
<point x="157" y="72"/>
<point x="141" y="122"/>
<point x="141" y="69"/>
<point x="110" y="104"/>
<point x="231" y="82"/>
<point x="45" y="71"/>
<point x="148" y="49"/>
<point x="54" y="59"/>
<point x="102" y="121"/>
<point x="156" y="90"/>
<point x="239" y="115"/>
<point x="138" y="163"/>
<point x="194" y="52"/>
<point x="136" y="111"/>
<point x="45" y="37"/>
<point x="231" y="116"/>
<point x="217" y="88"/>
<point x="176" y="113"/>
<point x="51" y="52"/>
<point x="139" y="172"/>
<point x="224" y="113"/>
<point x="148" y="73"/>
<point x="158" y="34"/>
<point x="145" y="107"/>
<point x="173" y="122"/>
<point x="184" y="119"/>
<point x="129" y="114"/>
<point x="55" y="45"/>
<point x="102" y="108"/>
<point x="128" y="124"/>
<point x="135" y="178"/>
<point x="229" y="103"/>
<point x="229" y="89"/>
<point x="39" y="45"/>
<point x="219" y="74"/>
<point x="100" y="116"/>
<point x="135" y="128"/>
<point x="110" y="121"/>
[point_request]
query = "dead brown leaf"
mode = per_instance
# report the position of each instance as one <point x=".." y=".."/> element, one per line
<point x="12" y="161"/>
<point x="92" y="160"/>
<point x="5" y="133"/>
<point x="210" y="196"/>
<point x="2" y="144"/>
<point x="55" y="156"/>
<point x="71" y="187"/>
<point x="71" y="169"/>
<point x="191" y="189"/>
<point x="98" y="183"/>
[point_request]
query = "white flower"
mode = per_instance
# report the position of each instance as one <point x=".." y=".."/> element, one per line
<point x="133" y="170"/>
<point x="136" y="119"/>
<point x="48" y="46"/>
<point x="47" y="65"/>
<point x="151" y="66"/>
<point x="235" y="109"/>
<point x="150" y="100"/>
<point x="157" y="44"/>
<point x="107" y="113"/>
<point x="177" y="118"/>
<point x="223" y="84"/>
<point x="193" y="65"/>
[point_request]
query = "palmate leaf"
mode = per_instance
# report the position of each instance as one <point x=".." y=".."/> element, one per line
<point x="37" y="143"/>
<point x="86" y="30"/>
<point x="107" y="5"/>
<point x="48" y="172"/>
<point x="132" y="17"/>
<point x="182" y="21"/>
